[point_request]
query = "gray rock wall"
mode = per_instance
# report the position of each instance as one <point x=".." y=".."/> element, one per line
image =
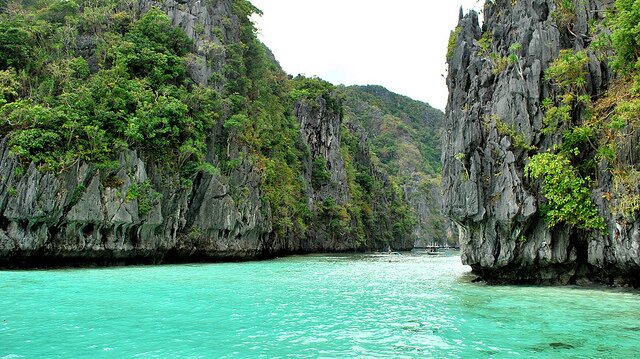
<point x="91" y="215"/>
<point x="143" y="212"/>
<point x="199" y="19"/>
<point x="94" y="215"/>
<point x="426" y="201"/>
<point x="320" y="130"/>
<point x="496" y="208"/>
<point x="321" y="133"/>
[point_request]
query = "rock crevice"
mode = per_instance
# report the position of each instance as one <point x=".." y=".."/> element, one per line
<point x="503" y="236"/>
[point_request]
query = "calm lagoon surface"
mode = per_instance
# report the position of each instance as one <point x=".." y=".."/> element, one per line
<point x="334" y="306"/>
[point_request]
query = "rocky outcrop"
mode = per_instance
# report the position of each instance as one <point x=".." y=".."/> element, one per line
<point x="129" y="214"/>
<point x="321" y="128"/>
<point x="209" y="24"/>
<point x="496" y="208"/>
<point x="379" y="231"/>
<point x="321" y="133"/>
<point x="139" y="209"/>
<point x="425" y="199"/>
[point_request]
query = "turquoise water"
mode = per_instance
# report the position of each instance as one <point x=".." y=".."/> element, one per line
<point x="312" y="306"/>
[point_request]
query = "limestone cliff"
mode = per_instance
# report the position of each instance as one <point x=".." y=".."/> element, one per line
<point x="342" y="150"/>
<point x="494" y="124"/>
<point x="140" y="209"/>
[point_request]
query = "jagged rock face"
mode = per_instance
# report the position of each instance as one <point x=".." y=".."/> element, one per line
<point x="362" y="158"/>
<point x="94" y="215"/>
<point x="90" y="215"/>
<point x="413" y="126"/>
<point x="144" y="212"/>
<point x="426" y="203"/>
<point x="320" y="130"/>
<point x="198" y="19"/>
<point x="502" y="234"/>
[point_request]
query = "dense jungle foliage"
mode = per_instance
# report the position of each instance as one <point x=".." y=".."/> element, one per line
<point x="400" y="128"/>
<point x="83" y="80"/>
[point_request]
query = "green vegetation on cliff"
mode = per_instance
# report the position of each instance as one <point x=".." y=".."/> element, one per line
<point x="617" y="113"/>
<point x="568" y="198"/>
<point x="623" y="22"/>
<point x="405" y="137"/>
<point x="593" y="132"/>
<point x="56" y="110"/>
<point x="85" y="80"/>
<point x="258" y="101"/>
<point x="566" y="191"/>
<point x="375" y="206"/>
<point x="377" y="203"/>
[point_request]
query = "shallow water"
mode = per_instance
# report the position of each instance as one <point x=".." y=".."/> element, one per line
<point x="308" y="306"/>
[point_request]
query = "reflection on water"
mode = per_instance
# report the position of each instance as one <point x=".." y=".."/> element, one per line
<point x="322" y="305"/>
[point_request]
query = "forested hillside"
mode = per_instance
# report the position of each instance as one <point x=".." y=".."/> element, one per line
<point x="405" y="137"/>
<point x="155" y="130"/>
<point x="397" y="124"/>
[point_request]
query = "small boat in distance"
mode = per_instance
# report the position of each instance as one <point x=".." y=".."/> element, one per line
<point x="431" y="249"/>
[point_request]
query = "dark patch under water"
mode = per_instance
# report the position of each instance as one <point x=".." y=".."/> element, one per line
<point x="561" y="346"/>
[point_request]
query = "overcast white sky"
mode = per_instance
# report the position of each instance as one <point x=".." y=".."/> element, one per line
<point x="399" y="44"/>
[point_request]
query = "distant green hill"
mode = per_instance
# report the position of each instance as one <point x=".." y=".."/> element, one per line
<point x="405" y="133"/>
<point x="405" y="140"/>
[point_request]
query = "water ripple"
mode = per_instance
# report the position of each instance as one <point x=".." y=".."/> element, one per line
<point x="300" y="307"/>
